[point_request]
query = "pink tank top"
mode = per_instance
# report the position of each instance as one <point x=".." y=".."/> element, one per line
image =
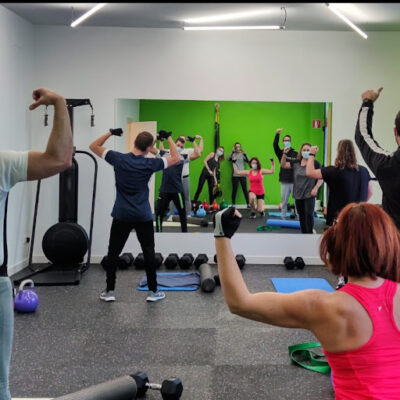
<point x="256" y="183"/>
<point x="373" y="370"/>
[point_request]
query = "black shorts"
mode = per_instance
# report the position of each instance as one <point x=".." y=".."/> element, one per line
<point x="259" y="196"/>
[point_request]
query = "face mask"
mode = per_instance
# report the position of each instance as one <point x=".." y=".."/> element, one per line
<point x="219" y="153"/>
<point x="238" y="148"/>
<point x="305" y="154"/>
<point x="286" y="144"/>
<point x="254" y="166"/>
<point x="180" y="149"/>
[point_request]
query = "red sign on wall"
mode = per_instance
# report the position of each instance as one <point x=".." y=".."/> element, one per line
<point x="316" y="123"/>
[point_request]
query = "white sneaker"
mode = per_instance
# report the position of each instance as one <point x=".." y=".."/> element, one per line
<point x="155" y="296"/>
<point x="107" y="295"/>
<point x="314" y="231"/>
<point x="169" y="219"/>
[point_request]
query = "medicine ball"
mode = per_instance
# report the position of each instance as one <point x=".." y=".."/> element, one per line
<point x="65" y="243"/>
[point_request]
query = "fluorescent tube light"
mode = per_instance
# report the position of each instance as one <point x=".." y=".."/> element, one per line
<point x="226" y="17"/>
<point x="346" y="20"/>
<point x="87" y="14"/>
<point x="225" y="28"/>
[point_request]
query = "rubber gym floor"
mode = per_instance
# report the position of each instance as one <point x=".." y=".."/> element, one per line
<point x="74" y="340"/>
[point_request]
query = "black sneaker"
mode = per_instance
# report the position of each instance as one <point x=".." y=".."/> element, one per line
<point x="253" y="215"/>
<point x="262" y="214"/>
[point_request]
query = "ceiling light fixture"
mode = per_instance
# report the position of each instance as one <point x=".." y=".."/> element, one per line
<point x="87" y="14"/>
<point x="346" y="20"/>
<point x="226" y="17"/>
<point x="226" y="28"/>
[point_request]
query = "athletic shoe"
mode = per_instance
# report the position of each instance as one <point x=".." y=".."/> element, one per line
<point x="262" y="214"/>
<point x="107" y="295"/>
<point x="248" y="206"/>
<point x="155" y="296"/>
<point x="340" y="282"/>
<point x="314" y="231"/>
<point x="253" y="215"/>
<point x="169" y="219"/>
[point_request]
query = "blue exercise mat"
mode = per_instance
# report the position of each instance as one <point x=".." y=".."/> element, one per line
<point x="278" y="214"/>
<point x="284" y="223"/>
<point x="290" y="285"/>
<point x="173" y="281"/>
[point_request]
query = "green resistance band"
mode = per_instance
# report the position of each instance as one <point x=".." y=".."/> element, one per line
<point x="268" y="228"/>
<point x="305" y="355"/>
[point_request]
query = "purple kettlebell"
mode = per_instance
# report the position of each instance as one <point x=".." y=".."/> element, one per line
<point x="26" y="300"/>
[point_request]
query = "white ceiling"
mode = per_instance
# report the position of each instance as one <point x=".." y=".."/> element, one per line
<point x="300" y="16"/>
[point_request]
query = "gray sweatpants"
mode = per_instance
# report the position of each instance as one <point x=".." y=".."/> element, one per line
<point x="286" y="190"/>
<point x="186" y="192"/>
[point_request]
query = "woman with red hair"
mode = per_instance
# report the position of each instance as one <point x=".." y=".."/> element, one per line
<point x="358" y="325"/>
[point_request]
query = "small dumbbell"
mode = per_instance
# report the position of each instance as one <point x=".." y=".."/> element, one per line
<point x="200" y="259"/>
<point x="289" y="263"/>
<point x="126" y="260"/>
<point x="171" y="389"/>
<point x="171" y="261"/>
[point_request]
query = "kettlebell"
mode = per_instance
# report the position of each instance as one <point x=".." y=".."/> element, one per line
<point x="215" y="206"/>
<point x="201" y="212"/>
<point x="26" y="300"/>
<point x="223" y="205"/>
<point x="206" y="205"/>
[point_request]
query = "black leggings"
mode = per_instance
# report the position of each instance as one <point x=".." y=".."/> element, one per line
<point x="305" y="209"/>
<point x="243" y="183"/>
<point x="210" y="180"/>
<point x="119" y="234"/>
<point x="162" y="206"/>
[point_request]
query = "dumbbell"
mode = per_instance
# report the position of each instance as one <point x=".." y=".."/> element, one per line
<point x="217" y="280"/>
<point x="240" y="259"/>
<point x="126" y="260"/>
<point x="200" y="259"/>
<point x="171" y="261"/>
<point x="139" y="261"/>
<point x="171" y="389"/>
<point x="289" y="263"/>
<point x="116" y="131"/>
<point x="299" y="263"/>
<point x="186" y="261"/>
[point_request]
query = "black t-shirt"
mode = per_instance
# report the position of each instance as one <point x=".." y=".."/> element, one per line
<point x="212" y="164"/>
<point x="172" y="176"/>
<point x="345" y="186"/>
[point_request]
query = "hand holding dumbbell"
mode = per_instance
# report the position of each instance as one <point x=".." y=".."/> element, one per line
<point x="116" y="131"/>
<point x="171" y="389"/>
<point x="226" y="222"/>
<point x="191" y="138"/>
<point x="162" y="135"/>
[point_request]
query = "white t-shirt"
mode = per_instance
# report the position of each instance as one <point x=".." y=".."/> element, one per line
<point x="13" y="169"/>
<point x="185" y="170"/>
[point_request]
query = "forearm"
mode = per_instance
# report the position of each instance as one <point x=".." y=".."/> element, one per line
<point x="277" y="150"/>
<point x="201" y="145"/>
<point x="233" y="286"/>
<point x="283" y="161"/>
<point x="60" y="143"/>
<point x="173" y="149"/>
<point x="318" y="184"/>
<point x="162" y="145"/>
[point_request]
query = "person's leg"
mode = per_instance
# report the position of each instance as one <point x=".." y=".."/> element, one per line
<point x="260" y="206"/>
<point x="179" y="201"/>
<point x="145" y="235"/>
<point x="295" y="213"/>
<point x="252" y="199"/>
<point x="186" y="192"/>
<point x="243" y="182"/>
<point x="309" y="206"/>
<point x="6" y="335"/>
<point x="162" y="204"/>
<point x="119" y="234"/>
<point x="235" y="182"/>
<point x="171" y="207"/>
<point x="285" y="192"/>
<point x="301" y="212"/>
<point x="202" y="179"/>
<point x="210" y="181"/>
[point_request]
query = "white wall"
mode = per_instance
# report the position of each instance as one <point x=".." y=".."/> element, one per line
<point x="16" y="78"/>
<point x="109" y="63"/>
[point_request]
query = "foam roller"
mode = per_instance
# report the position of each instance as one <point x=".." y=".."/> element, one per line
<point x="123" y="388"/>
<point x="207" y="281"/>
<point x="192" y="220"/>
<point x="284" y="223"/>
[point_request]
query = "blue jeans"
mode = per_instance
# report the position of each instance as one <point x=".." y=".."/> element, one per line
<point x="6" y="335"/>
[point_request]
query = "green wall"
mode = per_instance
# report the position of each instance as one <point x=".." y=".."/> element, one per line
<point x="251" y="123"/>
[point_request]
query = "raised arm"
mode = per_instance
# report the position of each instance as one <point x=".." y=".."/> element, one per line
<point x="196" y="153"/>
<point x="201" y="143"/>
<point x="238" y="172"/>
<point x="97" y="146"/>
<point x="269" y="171"/>
<point x="311" y="172"/>
<point x="175" y="157"/>
<point x="277" y="149"/>
<point x="58" y="154"/>
<point x="284" y="163"/>
<point x="372" y="153"/>
<point x="296" y="310"/>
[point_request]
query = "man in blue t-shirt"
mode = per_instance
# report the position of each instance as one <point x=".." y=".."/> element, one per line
<point x="132" y="208"/>
<point x="171" y="188"/>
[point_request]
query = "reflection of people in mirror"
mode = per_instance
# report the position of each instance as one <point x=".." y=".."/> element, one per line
<point x="208" y="174"/>
<point x="239" y="157"/>
<point x="285" y="174"/>
<point x="305" y="189"/>
<point x="256" y="190"/>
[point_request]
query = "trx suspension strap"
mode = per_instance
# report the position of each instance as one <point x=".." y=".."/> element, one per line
<point x="5" y="248"/>
<point x="305" y="355"/>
